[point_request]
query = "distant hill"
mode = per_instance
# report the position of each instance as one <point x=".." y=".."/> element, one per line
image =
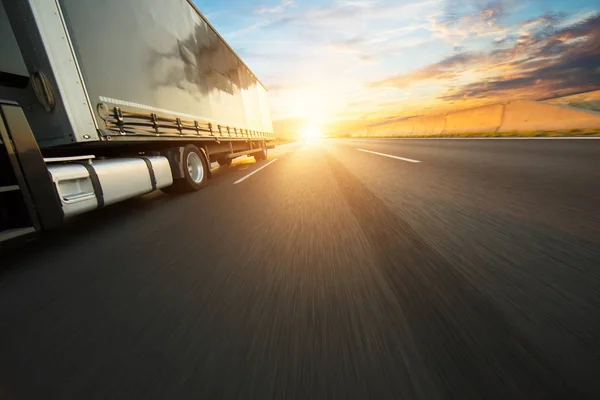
<point x="587" y="101"/>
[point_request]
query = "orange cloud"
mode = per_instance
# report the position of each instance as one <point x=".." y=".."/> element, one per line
<point x="536" y="64"/>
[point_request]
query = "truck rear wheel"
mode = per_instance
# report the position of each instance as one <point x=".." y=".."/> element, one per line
<point x="261" y="155"/>
<point x="195" y="171"/>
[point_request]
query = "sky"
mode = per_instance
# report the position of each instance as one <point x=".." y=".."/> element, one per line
<point x="334" y="63"/>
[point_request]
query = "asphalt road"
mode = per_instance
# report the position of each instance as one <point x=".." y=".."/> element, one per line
<point x="330" y="273"/>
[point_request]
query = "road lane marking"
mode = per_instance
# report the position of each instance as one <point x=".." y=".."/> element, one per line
<point x="390" y="156"/>
<point x="520" y="138"/>
<point x="474" y="138"/>
<point x="253" y="172"/>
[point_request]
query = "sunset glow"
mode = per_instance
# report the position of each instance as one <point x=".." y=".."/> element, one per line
<point x="353" y="63"/>
<point x="311" y="132"/>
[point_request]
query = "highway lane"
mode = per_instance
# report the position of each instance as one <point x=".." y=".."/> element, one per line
<point x="331" y="272"/>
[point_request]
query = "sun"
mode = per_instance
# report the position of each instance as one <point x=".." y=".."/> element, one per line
<point x="311" y="132"/>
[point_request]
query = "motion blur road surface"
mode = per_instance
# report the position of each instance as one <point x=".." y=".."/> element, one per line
<point x="330" y="273"/>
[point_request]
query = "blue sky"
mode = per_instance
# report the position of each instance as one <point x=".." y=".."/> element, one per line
<point x="357" y="60"/>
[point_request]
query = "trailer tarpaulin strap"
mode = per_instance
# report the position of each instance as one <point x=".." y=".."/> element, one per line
<point x="95" y="184"/>
<point x="151" y="171"/>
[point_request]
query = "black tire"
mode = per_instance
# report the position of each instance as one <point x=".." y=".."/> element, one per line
<point x="224" y="161"/>
<point x="262" y="155"/>
<point x="195" y="171"/>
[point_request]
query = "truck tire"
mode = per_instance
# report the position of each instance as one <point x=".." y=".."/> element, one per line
<point x="195" y="171"/>
<point x="262" y="155"/>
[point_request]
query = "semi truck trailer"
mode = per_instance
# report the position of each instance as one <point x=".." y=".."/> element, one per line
<point x="101" y="101"/>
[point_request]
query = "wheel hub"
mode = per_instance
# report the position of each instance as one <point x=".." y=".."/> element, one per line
<point x="195" y="167"/>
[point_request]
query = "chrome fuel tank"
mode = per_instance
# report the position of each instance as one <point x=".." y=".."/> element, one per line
<point x="87" y="185"/>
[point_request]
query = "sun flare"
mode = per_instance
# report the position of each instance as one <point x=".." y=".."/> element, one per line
<point x="311" y="132"/>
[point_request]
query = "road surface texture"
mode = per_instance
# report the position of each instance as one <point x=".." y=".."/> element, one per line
<point x="330" y="273"/>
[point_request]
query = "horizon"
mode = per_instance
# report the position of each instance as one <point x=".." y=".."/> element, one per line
<point x="330" y="65"/>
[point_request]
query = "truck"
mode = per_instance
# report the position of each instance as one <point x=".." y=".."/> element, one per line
<point x="102" y="101"/>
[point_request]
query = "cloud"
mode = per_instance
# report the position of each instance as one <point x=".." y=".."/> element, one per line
<point x="370" y="11"/>
<point x="343" y="47"/>
<point x="466" y="19"/>
<point x="368" y="30"/>
<point x="277" y="9"/>
<point x="546" y="19"/>
<point x="248" y="29"/>
<point x="358" y="3"/>
<point x="541" y="61"/>
<point x="339" y="16"/>
<point x="270" y="17"/>
<point x="286" y="87"/>
<point x="448" y="68"/>
<point x="562" y="62"/>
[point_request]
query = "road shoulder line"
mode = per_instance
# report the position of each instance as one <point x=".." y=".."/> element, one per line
<point x="410" y="160"/>
<point x="476" y="138"/>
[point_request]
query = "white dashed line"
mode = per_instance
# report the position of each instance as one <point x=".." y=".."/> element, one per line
<point x="410" y="160"/>
<point x="253" y="172"/>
